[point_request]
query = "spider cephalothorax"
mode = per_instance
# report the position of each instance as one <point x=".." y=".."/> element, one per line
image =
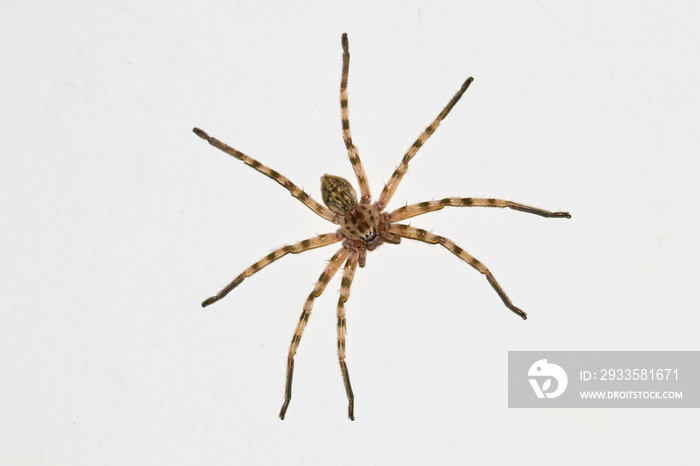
<point x="364" y="226"/>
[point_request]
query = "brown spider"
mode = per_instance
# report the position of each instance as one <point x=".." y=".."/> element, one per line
<point x="364" y="226"/>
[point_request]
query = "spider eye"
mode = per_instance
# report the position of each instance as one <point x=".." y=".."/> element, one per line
<point x="338" y="194"/>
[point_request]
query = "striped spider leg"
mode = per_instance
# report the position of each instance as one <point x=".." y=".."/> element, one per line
<point x="346" y="282"/>
<point x="294" y="190"/>
<point x="409" y="232"/>
<point x="345" y="119"/>
<point x="363" y="226"/>
<point x="301" y="246"/>
<point x="328" y="273"/>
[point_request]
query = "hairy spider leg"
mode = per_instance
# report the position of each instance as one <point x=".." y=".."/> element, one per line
<point x="418" y="234"/>
<point x="330" y="270"/>
<point x="301" y="246"/>
<point x="346" y="282"/>
<point x="294" y="190"/>
<point x="421" y="208"/>
<point x="344" y="113"/>
<point x="395" y="179"/>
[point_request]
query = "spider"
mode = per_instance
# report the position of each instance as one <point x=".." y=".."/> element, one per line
<point x="364" y="226"/>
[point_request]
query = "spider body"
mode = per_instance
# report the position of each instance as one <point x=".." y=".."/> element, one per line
<point x="363" y="226"/>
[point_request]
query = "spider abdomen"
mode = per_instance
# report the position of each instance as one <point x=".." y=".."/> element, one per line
<point x="338" y="194"/>
<point x="361" y="223"/>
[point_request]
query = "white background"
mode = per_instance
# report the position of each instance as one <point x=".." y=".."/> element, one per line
<point x="117" y="221"/>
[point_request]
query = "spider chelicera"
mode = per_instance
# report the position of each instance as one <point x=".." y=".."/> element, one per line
<point x="364" y="226"/>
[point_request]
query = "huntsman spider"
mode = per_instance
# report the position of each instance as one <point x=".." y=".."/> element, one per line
<point x="363" y="226"/>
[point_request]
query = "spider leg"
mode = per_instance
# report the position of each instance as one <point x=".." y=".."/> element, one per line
<point x="301" y="246"/>
<point x="295" y="190"/>
<point x="330" y="270"/>
<point x="400" y="171"/>
<point x="348" y="275"/>
<point x="418" y="234"/>
<point x="352" y="150"/>
<point x="430" y="206"/>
